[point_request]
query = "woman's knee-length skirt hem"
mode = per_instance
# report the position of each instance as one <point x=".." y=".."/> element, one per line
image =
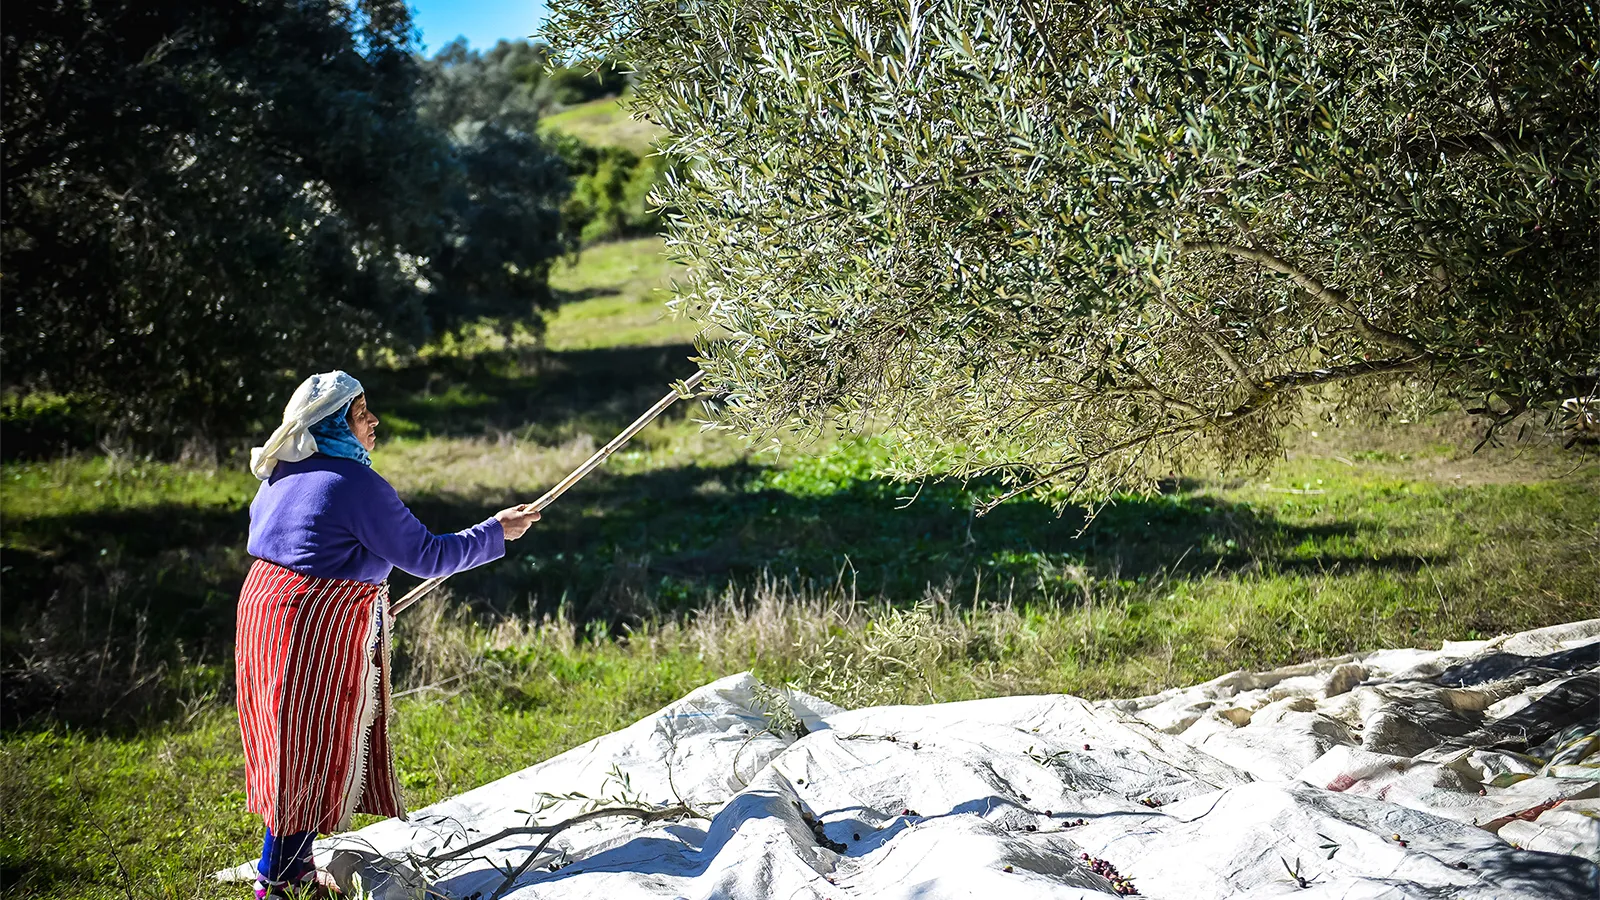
<point x="313" y="675"/>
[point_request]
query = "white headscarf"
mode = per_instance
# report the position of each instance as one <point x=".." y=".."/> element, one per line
<point x="315" y="398"/>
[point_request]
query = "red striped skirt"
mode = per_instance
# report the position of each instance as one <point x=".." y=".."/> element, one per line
<point x="313" y="671"/>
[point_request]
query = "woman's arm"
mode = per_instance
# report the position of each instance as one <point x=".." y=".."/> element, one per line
<point x="387" y="528"/>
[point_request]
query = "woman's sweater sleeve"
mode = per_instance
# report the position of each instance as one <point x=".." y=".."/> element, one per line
<point x="386" y="527"/>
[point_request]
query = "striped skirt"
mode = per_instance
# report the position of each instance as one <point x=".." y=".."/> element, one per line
<point x="313" y="672"/>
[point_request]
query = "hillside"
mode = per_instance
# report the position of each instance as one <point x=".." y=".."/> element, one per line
<point x="614" y="295"/>
<point x="605" y="122"/>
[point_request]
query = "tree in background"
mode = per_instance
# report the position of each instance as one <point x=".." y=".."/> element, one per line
<point x="204" y="201"/>
<point x="611" y="190"/>
<point x="505" y="85"/>
<point x="512" y="81"/>
<point x="572" y="85"/>
<point x="511" y="87"/>
<point x="496" y="98"/>
<point x="1080" y="245"/>
<point x="504" y="217"/>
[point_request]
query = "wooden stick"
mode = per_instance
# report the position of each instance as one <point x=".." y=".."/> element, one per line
<point x="589" y="465"/>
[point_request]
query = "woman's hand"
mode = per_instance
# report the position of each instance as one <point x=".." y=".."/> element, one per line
<point x="515" y="520"/>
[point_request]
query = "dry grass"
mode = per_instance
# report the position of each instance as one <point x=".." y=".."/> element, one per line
<point x="476" y="469"/>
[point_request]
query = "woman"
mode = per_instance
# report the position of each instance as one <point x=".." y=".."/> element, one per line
<point x="313" y="644"/>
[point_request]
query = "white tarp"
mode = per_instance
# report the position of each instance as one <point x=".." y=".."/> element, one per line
<point x="1465" y="772"/>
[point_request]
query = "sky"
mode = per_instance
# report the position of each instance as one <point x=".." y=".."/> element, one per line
<point x="482" y="22"/>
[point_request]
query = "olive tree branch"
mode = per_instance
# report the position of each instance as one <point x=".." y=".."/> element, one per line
<point x="550" y="831"/>
<point x="1044" y="37"/>
<point x="1146" y="386"/>
<point x="1263" y="391"/>
<point x="1515" y="406"/>
<point x="1210" y="340"/>
<point x="1086" y="463"/>
<point x="1289" y="380"/>
<point x="1331" y="296"/>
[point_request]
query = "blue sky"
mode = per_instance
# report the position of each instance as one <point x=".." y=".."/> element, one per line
<point x="482" y="22"/>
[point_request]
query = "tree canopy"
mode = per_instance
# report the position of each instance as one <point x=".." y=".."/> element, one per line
<point x="513" y="81"/>
<point x="1080" y="244"/>
<point x="204" y="201"/>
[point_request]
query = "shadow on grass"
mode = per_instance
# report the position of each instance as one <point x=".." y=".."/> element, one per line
<point x="623" y="548"/>
<point x="545" y="397"/>
<point x="98" y="593"/>
<point x="620" y="549"/>
<point x="29" y="873"/>
<point x="578" y="295"/>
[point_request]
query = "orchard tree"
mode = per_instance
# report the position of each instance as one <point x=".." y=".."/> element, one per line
<point x="504" y="85"/>
<point x="205" y="200"/>
<point x="492" y="102"/>
<point x="1081" y="244"/>
<point x="502" y="219"/>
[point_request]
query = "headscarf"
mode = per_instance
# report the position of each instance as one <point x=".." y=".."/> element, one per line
<point x="317" y="398"/>
<point x="334" y="437"/>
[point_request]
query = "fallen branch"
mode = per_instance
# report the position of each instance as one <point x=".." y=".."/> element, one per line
<point x="550" y="832"/>
<point x="111" y="845"/>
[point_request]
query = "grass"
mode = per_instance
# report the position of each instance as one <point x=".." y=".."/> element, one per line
<point x="613" y="297"/>
<point x="689" y="557"/>
<point x="166" y="805"/>
<point x="605" y="122"/>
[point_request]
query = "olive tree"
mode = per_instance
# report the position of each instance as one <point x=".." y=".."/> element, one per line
<point x="1079" y="244"/>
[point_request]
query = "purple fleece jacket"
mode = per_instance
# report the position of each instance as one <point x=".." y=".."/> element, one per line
<point x="336" y="518"/>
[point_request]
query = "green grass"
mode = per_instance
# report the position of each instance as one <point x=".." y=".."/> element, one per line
<point x="121" y="754"/>
<point x="35" y="490"/>
<point x="615" y="296"/>
<point x="1380" y="559"/>
<point x="166" y="806"/>
<point x="605" y="122"/>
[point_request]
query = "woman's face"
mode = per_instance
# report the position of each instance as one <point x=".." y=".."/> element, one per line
<point x="364" y="423"/>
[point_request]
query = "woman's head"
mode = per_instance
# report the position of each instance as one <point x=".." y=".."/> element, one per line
<point x="363" y="424"/>
<point x="348" y="432"/>
<point x="317" y="412"/>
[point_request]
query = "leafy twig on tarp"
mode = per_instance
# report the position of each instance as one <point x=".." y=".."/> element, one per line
<point x="550" y="831"/>
<point x="1294" y="873"/>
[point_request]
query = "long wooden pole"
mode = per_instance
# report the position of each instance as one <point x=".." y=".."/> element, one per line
<point x="576" y="475"/>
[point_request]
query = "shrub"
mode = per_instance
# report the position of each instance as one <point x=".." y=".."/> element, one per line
<point x="611" y="191"/>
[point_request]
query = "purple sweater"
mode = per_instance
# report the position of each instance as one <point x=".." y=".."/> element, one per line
<point x="336" y="518"/>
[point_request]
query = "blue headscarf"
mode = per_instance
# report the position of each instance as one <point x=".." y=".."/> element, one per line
<point x="334" y="437"/>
